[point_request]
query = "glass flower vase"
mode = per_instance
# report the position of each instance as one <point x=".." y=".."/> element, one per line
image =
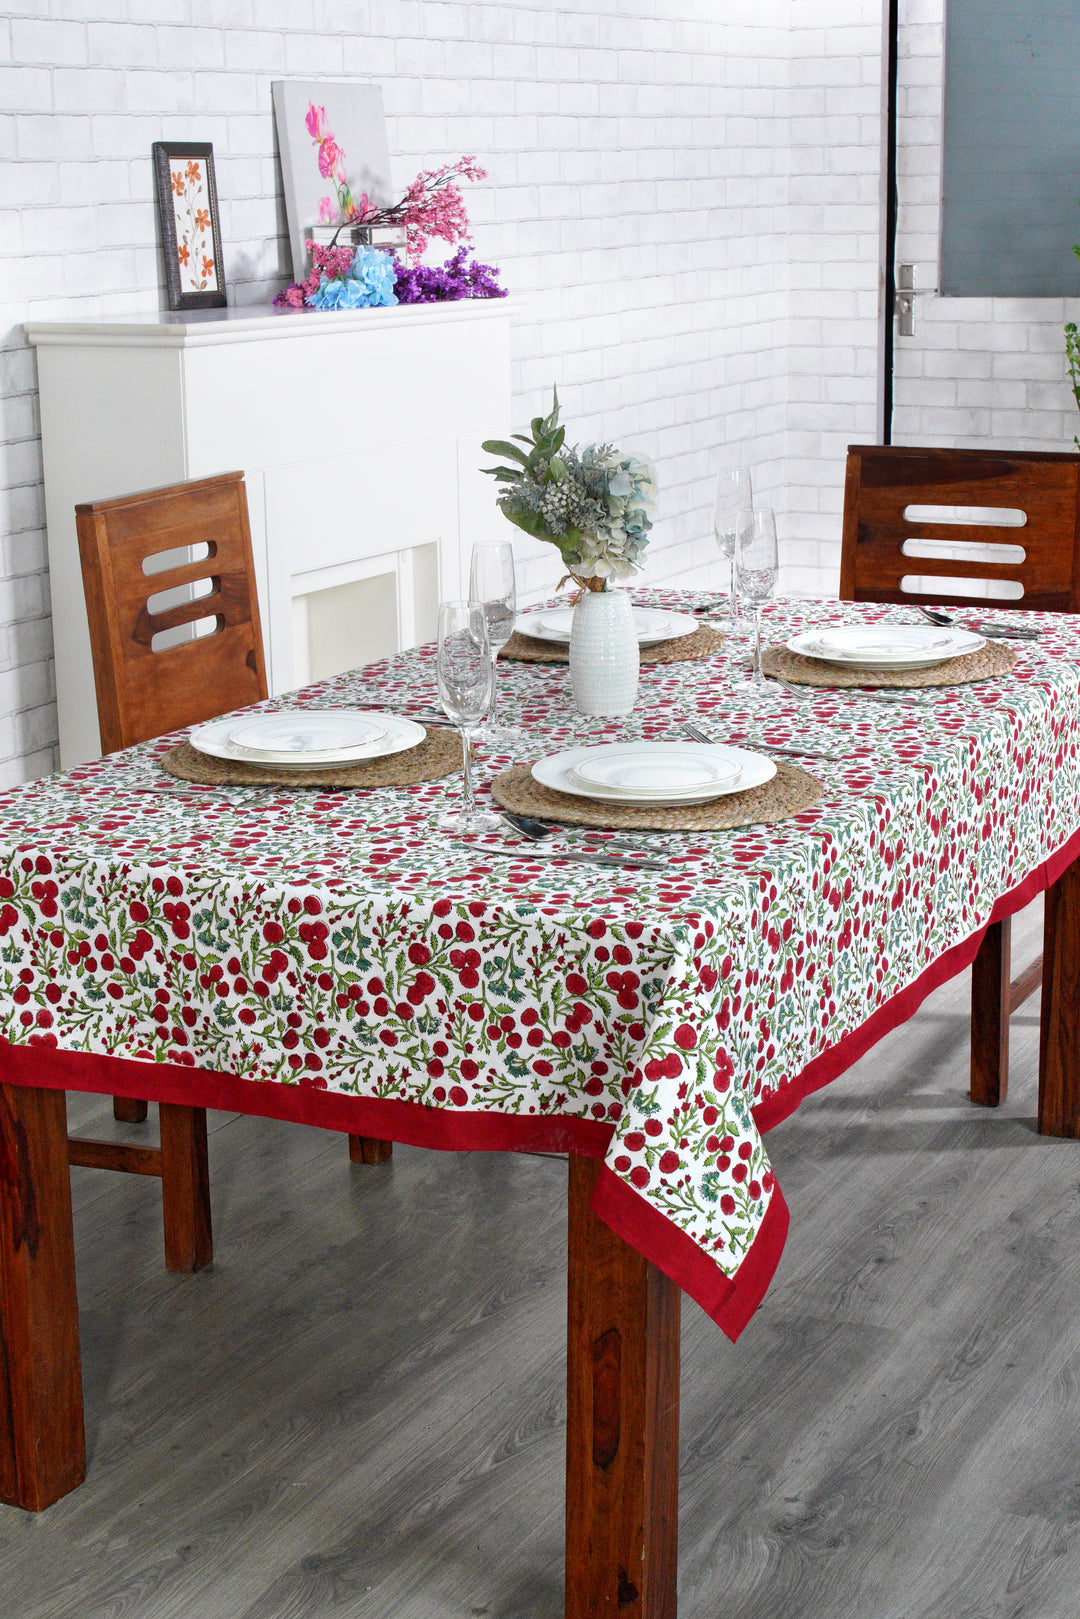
<point x="604" y="653"/>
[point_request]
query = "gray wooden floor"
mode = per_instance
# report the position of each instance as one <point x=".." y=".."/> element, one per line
<point x="359" y="1410"/>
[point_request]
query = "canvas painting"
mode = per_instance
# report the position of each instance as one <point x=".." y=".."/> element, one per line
<point x="334" y="155"/>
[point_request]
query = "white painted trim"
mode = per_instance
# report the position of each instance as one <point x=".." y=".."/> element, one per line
<point x="255" y="324"/>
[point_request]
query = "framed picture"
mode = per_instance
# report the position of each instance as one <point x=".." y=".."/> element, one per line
<point x="190" y="229"/>
<point x="334" y="156"/>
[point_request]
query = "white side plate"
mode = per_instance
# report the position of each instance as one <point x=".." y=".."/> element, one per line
<point x="659" y="769"/>
<point x="303" y="736"/>
<point x="653" y="625"/>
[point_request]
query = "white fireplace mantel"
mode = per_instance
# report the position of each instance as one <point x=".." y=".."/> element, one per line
<point x="359" y="436"/>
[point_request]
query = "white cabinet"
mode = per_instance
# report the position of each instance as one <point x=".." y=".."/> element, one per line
<point x="359" y="436"/>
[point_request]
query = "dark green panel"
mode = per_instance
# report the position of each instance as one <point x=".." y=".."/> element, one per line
<point x="1011" y="166"/>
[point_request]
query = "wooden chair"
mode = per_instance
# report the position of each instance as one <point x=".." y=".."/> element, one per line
<point x="138" y="596"/>
<point x="884" y="559"/>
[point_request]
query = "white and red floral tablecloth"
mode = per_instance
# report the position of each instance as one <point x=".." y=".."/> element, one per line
<point x="330" y="957"/>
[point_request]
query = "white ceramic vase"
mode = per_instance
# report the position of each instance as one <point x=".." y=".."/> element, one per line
<point x="603" y="653"/>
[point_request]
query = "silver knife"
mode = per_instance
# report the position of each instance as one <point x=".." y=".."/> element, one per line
<point x="582" y="857"/>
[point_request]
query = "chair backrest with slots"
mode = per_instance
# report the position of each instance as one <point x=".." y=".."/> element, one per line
<point x="174" y="616"/>
<point x="1014" y="514"/>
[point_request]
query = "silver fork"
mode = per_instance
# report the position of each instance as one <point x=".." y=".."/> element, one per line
<point x="792" y="751"/>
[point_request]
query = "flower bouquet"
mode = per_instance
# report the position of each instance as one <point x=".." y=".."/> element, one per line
<point x="594" y="504"/>
<point x="354" y="277"/>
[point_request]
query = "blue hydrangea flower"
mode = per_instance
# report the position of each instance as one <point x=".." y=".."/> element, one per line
<point x="370" y="282"/>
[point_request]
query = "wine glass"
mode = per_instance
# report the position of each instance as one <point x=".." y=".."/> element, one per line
<point x="465" y="674"/>
<point x="756" y="568"/>
<point x="733" y="495"/>
<point x="491" y="582"/>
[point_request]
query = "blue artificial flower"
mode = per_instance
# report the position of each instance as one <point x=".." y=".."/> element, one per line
<point x="376" y="272"/>
<point x="370" y="282"/>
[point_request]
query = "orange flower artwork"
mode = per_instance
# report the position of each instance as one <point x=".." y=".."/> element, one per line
<point x="194" y="243"/>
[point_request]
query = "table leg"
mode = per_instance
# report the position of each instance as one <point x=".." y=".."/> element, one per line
<point x="990" y="1008"/>
<point x="42" y="1447"/>
<point x="622" y="1427"/>
<point x="185" y="1187"/>
<point x="367" y="1150"/>
<point x="1059" y="1043"/>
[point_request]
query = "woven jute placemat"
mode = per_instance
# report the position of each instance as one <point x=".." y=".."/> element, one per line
<point x="790" y="791"/>
<point x="439" y="754"/>
<point x="994" y="659"/>
<point x="684" y="649"/>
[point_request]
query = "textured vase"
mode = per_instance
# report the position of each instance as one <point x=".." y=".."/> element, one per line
<point x="603" y="653"/>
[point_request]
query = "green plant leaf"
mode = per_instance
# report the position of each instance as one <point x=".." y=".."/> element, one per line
<point x="499" y="446"/>
<point x="530" y="522"/>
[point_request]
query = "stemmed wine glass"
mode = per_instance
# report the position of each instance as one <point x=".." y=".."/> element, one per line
<point x="733" y="495"/>
<point x="756" y="568"/>
<point x="465" y="674"/>
<point x="491" y="582"/>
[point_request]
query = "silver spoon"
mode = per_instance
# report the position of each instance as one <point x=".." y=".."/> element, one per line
<point x="540" y="831"/>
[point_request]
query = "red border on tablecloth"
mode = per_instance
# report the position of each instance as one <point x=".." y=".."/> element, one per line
<point x="729" y="1301"/>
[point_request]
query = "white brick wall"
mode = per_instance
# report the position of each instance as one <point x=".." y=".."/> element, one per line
<point x="687" y="193"/>
<point x="638" y="194"/>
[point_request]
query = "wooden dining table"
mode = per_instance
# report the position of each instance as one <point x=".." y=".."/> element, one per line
<point x="330" y="958"/>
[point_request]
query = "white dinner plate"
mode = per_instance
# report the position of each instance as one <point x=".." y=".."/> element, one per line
<point x="398" y="734"/>
<point x="885" y="646"/>
<point x="629" y="767"/>
<point x="307" y="736"/>
<point x="653" y="625"/>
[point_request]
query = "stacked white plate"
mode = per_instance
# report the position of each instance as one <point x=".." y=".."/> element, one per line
<point x="653" y="772"/>
<point x="653" y="624"/>
<point x="307" y="738"/>
<point x="885" y="646"/>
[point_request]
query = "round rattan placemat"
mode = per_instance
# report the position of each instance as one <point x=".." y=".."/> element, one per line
<point x="439" y="754"/>
<point x="791" y="791"/>
<point x="994" y="659"/>
<point x="684" y="649"/>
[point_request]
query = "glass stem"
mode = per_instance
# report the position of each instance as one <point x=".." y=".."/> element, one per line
<point x="759" y="673"/>
<point x="733" y="597"/>
<point x="466" y="770"/>
<point x="493" y="716"/>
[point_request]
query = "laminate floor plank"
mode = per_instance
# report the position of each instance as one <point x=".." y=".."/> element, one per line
<point x="358" y="1412"/>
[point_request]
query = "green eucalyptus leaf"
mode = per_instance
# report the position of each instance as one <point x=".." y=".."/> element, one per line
<point x="499" y="446"/>
<point x="531" y="522"/>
